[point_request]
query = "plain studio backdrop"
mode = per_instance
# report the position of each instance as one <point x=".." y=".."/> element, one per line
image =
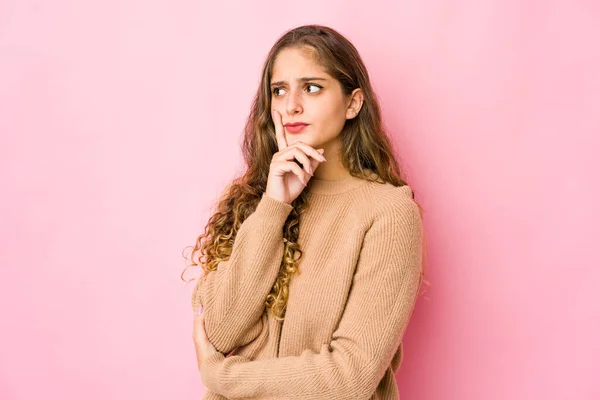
<point x="120" y="122"/>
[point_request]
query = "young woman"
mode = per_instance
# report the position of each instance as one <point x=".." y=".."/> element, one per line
<point x="313" y="258"/>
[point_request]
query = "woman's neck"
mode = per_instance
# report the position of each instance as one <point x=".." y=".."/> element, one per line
<point x="332" y="169"/>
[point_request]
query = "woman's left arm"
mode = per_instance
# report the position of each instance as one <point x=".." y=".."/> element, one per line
<point x="377" y="312"/>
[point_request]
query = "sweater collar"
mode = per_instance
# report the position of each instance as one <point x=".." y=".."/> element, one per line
<point x="321" y="186"/>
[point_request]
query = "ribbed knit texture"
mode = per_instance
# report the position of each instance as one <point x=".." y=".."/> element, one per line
<point x="348" y="306"/>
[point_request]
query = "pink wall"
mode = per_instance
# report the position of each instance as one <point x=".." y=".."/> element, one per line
<point x="120" y="122"/>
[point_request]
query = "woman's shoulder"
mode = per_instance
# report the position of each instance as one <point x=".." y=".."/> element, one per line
<point x="384" y="199"/>
<point x="386" y="193"/>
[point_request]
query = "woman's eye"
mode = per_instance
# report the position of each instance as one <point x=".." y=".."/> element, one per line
<point x="317" y="86"/>
<point x="276" y="90"/>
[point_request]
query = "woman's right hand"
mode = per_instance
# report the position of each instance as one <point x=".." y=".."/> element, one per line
<point x="286" y="179"/>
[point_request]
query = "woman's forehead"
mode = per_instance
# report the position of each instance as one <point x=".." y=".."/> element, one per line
<point x="296" y="59"/>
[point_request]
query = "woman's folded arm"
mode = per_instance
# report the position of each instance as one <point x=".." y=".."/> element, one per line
<point x="233" y="297"/>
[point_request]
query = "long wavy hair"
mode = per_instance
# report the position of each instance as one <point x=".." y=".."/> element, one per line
<point x="365" y="147"/>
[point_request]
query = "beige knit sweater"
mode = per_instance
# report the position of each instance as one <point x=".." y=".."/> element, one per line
<point x="348" y="308"/>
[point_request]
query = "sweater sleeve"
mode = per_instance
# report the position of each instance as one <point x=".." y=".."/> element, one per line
<point x="379" y="305"/>
<point x="233" y="297"/>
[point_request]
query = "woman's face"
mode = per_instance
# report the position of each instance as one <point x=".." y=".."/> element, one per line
<point x="301" y="91"/>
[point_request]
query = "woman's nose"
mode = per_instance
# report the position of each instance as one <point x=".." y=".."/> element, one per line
<point x="294" y="102"/>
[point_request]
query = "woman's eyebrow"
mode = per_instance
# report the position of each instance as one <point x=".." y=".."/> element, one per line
<point x="304" y="79"/>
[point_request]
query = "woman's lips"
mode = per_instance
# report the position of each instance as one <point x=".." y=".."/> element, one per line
<point x="295" y="129"/>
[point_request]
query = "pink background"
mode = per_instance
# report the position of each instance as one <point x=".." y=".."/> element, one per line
<point x="120" y="122"/>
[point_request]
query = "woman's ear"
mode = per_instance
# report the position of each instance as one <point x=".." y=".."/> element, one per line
<point x="355" y="103"/>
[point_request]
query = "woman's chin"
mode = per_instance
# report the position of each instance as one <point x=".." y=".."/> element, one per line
<point x="298" y="137"/>
<point x="309" y="139"/>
